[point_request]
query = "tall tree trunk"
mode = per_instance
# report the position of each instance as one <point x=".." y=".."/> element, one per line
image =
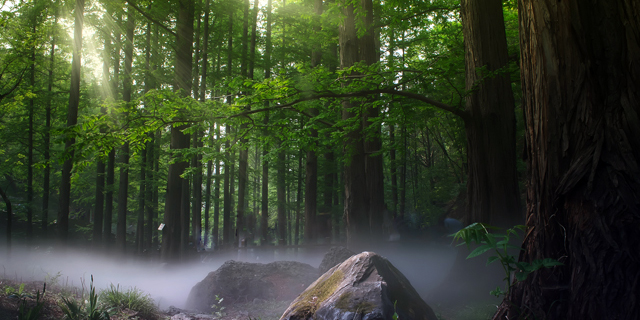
<point x="115" y="83"/>
<point x="403" y="174"/>
<point x="47" y="133"/>
<point x="9" y="210"/>
<point x="299" y="199"/>
<point x="123" y="189"/>
<point x="140" y="229"/>
<point x="369" y="50"/>
<point x="72" y="120"/>
<point x="492" y="184"/>
<point x="203" y="90"/>
<point x="281" y="196"/>
<point x="580" y="78"/>
<point x="228" y="176"/>
<point x="108" y="199"/>
<point x="172" y="234"/>
<point x="207" y="196"/>
<point x="196" y="228"/>
<point x="356" y="205"/>
<point x="226" y="211"/>
<point x="393" y="171"/>
<point x="156" y="185"/>
<point x="244" y="151"/>
<point x="196" y="59"/>
<point x="264" y="223"/>
<point x="216" y="196"/>
<point x="149" y="83"/>
<point x="31" y="111"/>
<point x="149" y="186"/>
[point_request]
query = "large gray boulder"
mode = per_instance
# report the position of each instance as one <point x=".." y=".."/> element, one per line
<point x="334" y="257"/>
<point x="237" y="282"/>
<point x="366" y="286"/>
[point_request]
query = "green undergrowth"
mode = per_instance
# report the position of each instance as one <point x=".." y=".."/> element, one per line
<point x="61" y="302"/>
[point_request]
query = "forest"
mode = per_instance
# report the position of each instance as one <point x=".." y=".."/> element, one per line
<point x="158" y="129"/>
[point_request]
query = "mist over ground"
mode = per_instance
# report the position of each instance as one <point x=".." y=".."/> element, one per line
<point x="425" y="265"/>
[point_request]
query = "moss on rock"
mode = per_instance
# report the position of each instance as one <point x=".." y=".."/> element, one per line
<point x="309" y="300"/>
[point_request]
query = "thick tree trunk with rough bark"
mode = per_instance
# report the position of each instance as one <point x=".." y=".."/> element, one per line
<point x="580" y="76"/>
<point x="362" y="173"/>
<point x="172" y="234"/>
<point x="492" y="185"/>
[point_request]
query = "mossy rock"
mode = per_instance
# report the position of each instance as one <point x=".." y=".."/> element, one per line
<point x="365" y="286"/>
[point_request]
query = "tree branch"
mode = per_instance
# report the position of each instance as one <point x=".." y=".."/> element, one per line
<point x="440" y="105"/>
<point x="146" y="15"/>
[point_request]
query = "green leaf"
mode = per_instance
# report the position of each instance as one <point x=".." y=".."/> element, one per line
<point x="479" y="250"/>
<point x="521" y="276"/>
<point x="492" y="259"/>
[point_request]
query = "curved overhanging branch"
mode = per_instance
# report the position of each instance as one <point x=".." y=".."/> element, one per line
<point x="440" y="105"/>
<point x="152" y="19"/>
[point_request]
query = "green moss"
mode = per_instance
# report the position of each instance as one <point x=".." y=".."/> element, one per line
<point x="310" y="300"/>
<point x="345" y="302"/>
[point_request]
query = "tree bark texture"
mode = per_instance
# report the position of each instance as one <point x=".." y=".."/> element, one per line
<point x="580" y="75"/>
<point x="72" y="120"/>
<point x="359" y="186"/>
<point x="172" y="234"/>
<point x="492" y="185"/>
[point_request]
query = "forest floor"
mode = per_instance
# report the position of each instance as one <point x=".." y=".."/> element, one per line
<point x="11" y="297"/>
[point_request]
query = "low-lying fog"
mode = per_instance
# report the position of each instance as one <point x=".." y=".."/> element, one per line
<point x="426" y="267"/>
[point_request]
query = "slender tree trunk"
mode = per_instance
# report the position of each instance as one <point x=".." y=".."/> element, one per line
<point x="31" y="111"/>
<point x="264" y="224"/>
<point x="123" y="189"/>
<point x="311" y="168"/>
<point x="580" y="79"/>
<point x="197" y="193"/>
<point x="203" y="90"/>
<point x="281" y="196"/>
<point x="244" y="152"/>
<point x="196" y="60"/>
<point x="216" y="197"/>
<point x="108" y="199"/>
<point x="108" y="209"/>
<point x="226" y="213"/>
<point x="207" y="197"/>
<point x="140" y="229"/>
<point x="403" y="175"/>
<point x="47" y="133"/>
<point x="72" y="120"/>
<point x="7" y="202"/>
<point x="156" y="186"/>
<point x="299" y="199"/>
<point x="149" y="186"/>
<point x="393" y="168"/>
<point x="149" y="83"/>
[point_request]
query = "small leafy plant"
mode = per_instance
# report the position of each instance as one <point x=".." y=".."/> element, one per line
<point x="32" y="313"/>
<point x="478" y="233"/>
<point x="133" y="299"/>
<point x="89" y="310"/>
<point x="218" y="309"/>
<point x="16" y="293"/>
